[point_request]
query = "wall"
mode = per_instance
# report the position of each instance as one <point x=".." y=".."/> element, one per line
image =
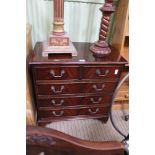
<point x="82" y="19"/>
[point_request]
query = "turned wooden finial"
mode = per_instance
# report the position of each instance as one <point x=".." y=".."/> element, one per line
<point x="101" y="47"/>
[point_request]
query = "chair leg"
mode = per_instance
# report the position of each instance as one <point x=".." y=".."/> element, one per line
<point x="31" y="150"/>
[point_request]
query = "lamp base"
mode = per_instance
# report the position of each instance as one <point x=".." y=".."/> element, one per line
<point x="100" y="51"/>
<point x="47" y="49"/>
<point x="58" y="43"/>
<point x="59" y="39"/>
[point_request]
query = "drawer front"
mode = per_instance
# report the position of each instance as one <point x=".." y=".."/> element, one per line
<point x="74" y="101"/>
<point x="56" y="73"/>
<point x="111" y="72"/>
<point x="104" y="87"/>
<point x="60" y="89"/>
<point x="74" y="112"/>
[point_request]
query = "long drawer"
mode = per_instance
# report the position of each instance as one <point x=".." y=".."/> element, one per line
<point x="90" y="111"/>
<point x="75" y="88"/>
<point x="74" y="101"/>
<point x="47" y="72"/>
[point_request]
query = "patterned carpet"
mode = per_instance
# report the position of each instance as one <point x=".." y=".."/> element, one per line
<point x="93" y="130"/>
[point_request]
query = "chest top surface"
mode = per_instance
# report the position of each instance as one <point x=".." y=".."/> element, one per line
<point x="84" y="56"/>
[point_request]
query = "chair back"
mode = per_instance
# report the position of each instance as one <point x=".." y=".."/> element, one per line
<point x="53" y="142"/>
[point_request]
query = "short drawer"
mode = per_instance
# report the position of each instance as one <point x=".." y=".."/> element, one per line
<point x="102" y="72"/>
<point x="73" y="112"/>
<point x="61" y="89"/>
<point x="74" y="101"/>
<point x="104" y="87"/>
<point x="56" y="73"/>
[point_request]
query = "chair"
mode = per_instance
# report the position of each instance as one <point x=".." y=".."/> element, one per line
<point x="50" y="141"/>
<point x="53" y="142"/>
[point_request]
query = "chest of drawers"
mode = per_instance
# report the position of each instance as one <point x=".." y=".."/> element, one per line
<point x="79" y="87"/>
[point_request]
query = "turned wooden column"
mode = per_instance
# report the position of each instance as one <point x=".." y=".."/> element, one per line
<point x="58" y="40"/>
<point x="58" y="37"/>
<point x="58" y="24"/>
<point x="101" y="47"/>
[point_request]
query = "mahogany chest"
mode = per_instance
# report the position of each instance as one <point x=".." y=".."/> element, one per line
<point x="78" y="87"/>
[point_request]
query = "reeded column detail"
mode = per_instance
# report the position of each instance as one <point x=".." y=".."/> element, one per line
<point x="58" y="25"/>
<point x="58" y="40"/>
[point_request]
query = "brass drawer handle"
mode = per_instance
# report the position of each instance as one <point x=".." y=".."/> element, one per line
<point x="93" y="112"/>
<point x="58" y="115"/>
<point x="98" y="72"/>
<point x="57" y="104"/>
<point x="93" y="101"/>
<point x="57" y="76"/>
<point x="57" y="91"/>
<point x="98" y="89"/>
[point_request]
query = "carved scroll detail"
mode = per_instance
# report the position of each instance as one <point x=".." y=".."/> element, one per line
<point x="39" y="140"/>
